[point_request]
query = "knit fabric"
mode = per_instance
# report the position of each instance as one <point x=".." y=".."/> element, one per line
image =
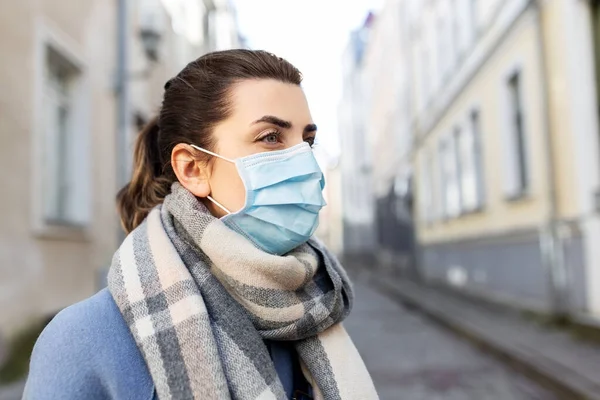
<point x="200" y="299"/>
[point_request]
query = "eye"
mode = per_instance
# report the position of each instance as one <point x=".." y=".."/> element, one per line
<point x="271" y="138"/>
<point x="310" y="141"/>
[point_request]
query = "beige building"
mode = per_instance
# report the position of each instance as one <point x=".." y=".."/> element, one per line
<point x="386" y="76"/>
<point x="58" y="123"/>
<point x="504" y="112"/>
<point x="57" y="113"/>
<point x="355" y="161"/>
<point x="331" y="229"/>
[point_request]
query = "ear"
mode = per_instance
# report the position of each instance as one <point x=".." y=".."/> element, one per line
<point x="192" y="173"/>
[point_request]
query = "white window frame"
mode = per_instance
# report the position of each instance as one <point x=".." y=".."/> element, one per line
<point x="473" y="14"/>
<point x="48" y="36"/>
<point x="441" y="45"/>
<point x="453" y="36"/>
<point x="434" y="59"/>
<point x="472" y="174"/>
<point x="450" y="180"/>
<point x="512" y="165"/>
<point x="458" y="22"/>
<point x="445" y="41"/>
<point x="424" y="70"/>
<point x="426" y="187"/>
<point x="453" y="154"/>
<point x="437" y="183"/>
<point x="441" y="179"/>
<point x="479" y="158"/>
<point x="457" y="131"/>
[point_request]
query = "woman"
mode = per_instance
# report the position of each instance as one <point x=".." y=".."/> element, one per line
<point x="218" y="291"/>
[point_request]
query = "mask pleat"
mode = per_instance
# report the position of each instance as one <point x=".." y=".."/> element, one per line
<point x="287" y="239"/>
<point x="284" y="197"/>
<point x="269" y="174"/>
<point x="293" y="192"/>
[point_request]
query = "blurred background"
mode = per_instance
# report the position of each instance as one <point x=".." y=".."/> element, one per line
<point x="460" y="141"/>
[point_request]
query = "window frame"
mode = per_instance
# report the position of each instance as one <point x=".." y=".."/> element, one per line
<point x="478" y="155"/>
<point x="426" y="189"/>
<point x="467" y="131"/>
<point x="515" y="87"/>
<point x="49" y="38"/>
<point x="448" y="158"/>
<point x="517" y="158"/>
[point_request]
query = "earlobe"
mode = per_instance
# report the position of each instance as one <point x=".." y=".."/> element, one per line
<point x="191" y="173"/>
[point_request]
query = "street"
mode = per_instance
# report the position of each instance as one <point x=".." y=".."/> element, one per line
<point x="412" y="358"/>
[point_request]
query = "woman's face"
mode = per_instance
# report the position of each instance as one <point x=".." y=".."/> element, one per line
<point x="267" y="115"/>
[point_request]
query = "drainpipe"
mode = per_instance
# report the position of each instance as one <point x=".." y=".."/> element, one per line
<point x="122" y="112"/>
<point x="551" y="243"/>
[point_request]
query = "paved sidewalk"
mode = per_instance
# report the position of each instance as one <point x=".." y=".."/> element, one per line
<point x="568" y="365"/>
<point x="410" y="357"/>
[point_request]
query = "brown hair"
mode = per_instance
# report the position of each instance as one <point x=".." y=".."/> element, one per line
<point x="194" y="101"/>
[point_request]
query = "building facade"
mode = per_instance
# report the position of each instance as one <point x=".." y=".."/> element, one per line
<point x="57" y="108"/>
<point x="58" y="118"/>
<point x="505" y="123"/>
<point x="355" y="161"/>
<point x="331" y="227"/>
<point x="388" y="129"/>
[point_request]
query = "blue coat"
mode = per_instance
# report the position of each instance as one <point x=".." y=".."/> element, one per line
<point x="87" y="352"/>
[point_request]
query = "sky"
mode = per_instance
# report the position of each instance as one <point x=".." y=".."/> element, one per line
<point x="312" y="35"/>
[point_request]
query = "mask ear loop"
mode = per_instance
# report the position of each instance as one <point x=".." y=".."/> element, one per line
<point x="221" y="206"/>
<point x="212" y="154"/>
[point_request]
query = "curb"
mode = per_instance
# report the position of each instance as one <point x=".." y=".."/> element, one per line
<point x="558" y="378"/>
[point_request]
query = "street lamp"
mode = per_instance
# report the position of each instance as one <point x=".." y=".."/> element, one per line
<point x="151" y="26"/>
<point x="150" y="40"/>
<point x="150" y="37"/>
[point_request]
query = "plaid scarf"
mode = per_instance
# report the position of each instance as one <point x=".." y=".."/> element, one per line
<point x="200" y="299"/>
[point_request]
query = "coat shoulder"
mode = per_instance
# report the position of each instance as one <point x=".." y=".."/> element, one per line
<point x="87" y="351"/>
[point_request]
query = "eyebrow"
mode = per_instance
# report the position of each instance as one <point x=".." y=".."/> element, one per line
<point x="283" y="124"/>
<point x="310" y="128"/>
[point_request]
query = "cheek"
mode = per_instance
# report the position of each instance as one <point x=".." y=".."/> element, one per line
<point x="227" y="186"/>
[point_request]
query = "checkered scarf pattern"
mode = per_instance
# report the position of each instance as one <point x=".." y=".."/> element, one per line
<point x="200" y="299"/>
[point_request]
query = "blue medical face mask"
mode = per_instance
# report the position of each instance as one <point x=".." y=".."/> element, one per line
<point x="284" y="194"/>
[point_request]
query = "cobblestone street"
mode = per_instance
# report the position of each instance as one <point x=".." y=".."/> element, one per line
<point x="412" y="358"/>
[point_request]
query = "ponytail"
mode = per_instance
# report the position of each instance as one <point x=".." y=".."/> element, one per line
<point x="195" y="101"/>
<point x="149" y="186"/>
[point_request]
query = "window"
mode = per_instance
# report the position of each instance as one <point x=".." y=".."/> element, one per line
<point x="450" y="177"/>
<point x="473" y="17"/>
<point x="442" y="180"/>
<point x="442" y="47"/>
<point x="426" y="189"/>
<point x="64" y="178"/>
<point x="464" y="25"/>
<point x="454" y="34"/>
<point x="437" y="185"/>
<point x="471" y="175"/>
<point x="475" y="124"/>
<point x="444" y="38"/>
<point x="58" y="116"/>
<point x="425" y="77"/>
<point x="517" y="178"/>
<point x="458" y="167"/>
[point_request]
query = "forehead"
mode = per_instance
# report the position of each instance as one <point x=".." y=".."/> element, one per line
<point x="251" y="99"/>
